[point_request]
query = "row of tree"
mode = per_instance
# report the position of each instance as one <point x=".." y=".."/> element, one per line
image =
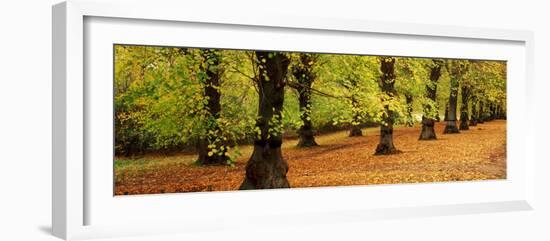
<point x="209" y="100"/>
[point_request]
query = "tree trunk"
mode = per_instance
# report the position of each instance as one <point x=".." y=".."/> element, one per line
<point x="451" y="126"/>
<point x="502" y="113"/>
<point x="211" y="85"/>
<point x="409" y="100"/>
<point x="492" y="110"/>
<point x="266" y="167"/>
<point x="355" y="129"/>
<point x="481" y="114"/>
<point x="304" y="75"/>
<point x="386" y="83"/>
<point x="428" y="120"/>
<point x="307" y="138"/>
<point x="474" y="118"/>
<point x="446" y="118"/>
<point x="464" y="118"/>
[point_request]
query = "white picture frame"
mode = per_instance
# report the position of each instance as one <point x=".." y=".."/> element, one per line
<point x="76" y="197"/>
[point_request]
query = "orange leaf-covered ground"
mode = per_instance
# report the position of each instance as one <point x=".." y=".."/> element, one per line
<point x="476" y="154"/>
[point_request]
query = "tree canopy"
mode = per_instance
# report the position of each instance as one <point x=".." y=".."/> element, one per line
<point x="161" y="100"/>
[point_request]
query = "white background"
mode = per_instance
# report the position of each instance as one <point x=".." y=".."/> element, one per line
<point x="25" y="123"/>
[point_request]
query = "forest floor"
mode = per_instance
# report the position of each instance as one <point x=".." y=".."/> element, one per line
<point x="476" y="154"/>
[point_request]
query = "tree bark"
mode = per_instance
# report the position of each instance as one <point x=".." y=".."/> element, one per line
<point x="451" y="126"/>
<point x="481" y="114"/>
<point x="266" y="167"/>
<point x="475" y="117"/>
<point x="307" y="138"/>
<point x="211" y="83"/>
<point x="386" y="83"/>
<point x="446" y="118"/>
<point x="499" y="112"/>
<point x="428" y="120"/>
<point x="464" y="118"/>
<point x="305" y="77"/>
<point x="492" y="110"/>
<point x="409" y="100"/>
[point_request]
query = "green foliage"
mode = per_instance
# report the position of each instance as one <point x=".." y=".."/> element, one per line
<point x="487" y="81"/>
<point x="352" y="82"/>
<point x="160" y="102"/>
<point x="411" y="81"/>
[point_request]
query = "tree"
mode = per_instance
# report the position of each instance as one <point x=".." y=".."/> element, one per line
<point x="211" y="149"/>
<point x="266" y="167"/>
<point x="493" y="109"/>
<point x="352" y="79"/>
<point x="475" y="117"/>
<point x="352" y="85"/>
<point x="409" y="120"/>
<point x="131" y="67"/>
<point x="481" y="113"/>
<point x="430" y="110"/>
<point x="486" y="82"/>
<point x="355" y="129"/>
<point x="456" y="69"/>
<point x="473" y="88"/>
<point x="304" y="75"/>
<point x="389" y="95"/>
<point x="410" y="76"/>
<point x="464" y="117"/>
<point x="446" y="117"/>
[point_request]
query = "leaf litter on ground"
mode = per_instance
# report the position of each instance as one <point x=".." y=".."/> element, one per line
<point x="475" y="154"/>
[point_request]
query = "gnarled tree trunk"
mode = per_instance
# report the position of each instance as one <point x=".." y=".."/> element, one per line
<point x="304" y="75"/>
<point x="386" y="83"/>
<point x="428" y="120"/>
<point x="211" y="85"/>
<point x="464" y="118"/>
<point x="266" y="168"/>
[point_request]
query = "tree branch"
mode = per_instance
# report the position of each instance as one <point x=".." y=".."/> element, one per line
<point x="296" y="85"/>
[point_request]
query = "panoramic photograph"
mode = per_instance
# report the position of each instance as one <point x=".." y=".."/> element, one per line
<point x="203" y="120"/>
